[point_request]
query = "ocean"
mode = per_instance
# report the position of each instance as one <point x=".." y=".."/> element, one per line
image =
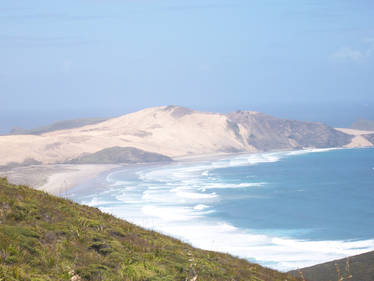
<point x="284" y="210"/>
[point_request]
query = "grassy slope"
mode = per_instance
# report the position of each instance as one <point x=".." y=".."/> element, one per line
<point x="361" y="268"/>
<point x="43" y="237"/>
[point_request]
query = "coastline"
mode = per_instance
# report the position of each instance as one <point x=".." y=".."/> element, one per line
<point x="358" y="140"/>
<point x="187" y="211"/>
<point x="56" y="179"/>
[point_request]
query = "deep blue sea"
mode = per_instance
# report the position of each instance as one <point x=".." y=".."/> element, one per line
<point x="284" y="209"/>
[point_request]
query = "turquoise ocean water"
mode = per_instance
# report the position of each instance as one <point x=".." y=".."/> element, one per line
<point x="284" y="209"/>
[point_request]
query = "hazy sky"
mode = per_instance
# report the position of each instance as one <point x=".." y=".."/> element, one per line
<point x="310" y="60"/>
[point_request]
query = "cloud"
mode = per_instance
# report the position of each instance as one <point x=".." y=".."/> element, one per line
<point x="348" y="54"/>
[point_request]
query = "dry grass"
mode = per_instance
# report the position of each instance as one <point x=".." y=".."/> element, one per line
<point x="43" y="237"/>
<point x="341" y="276"/>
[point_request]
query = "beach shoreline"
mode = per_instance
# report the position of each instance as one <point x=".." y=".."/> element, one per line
<point x="57" y="179"/>
<point x="61" y="179"/>
<point x="192" y="208"/>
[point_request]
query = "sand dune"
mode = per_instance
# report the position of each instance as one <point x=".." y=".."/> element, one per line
<point x="166" y="130"/>
<point x="172" y="131"/>
<point x="359" y="137"/>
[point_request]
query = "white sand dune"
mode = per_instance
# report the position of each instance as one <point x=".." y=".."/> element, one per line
<point x="172" y="131"/>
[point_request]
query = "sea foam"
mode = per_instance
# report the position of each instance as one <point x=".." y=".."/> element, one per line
<point x="179" y="200"/>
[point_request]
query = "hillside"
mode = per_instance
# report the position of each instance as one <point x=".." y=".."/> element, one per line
<point x="270" y="133"/>
<point x="119" y="155"/>
<point x="370" y="137"/>
<point x="359" y="138"/>
<point x="363" y="124"/>
<point x="360" y="267"/>
<point x="172" y="131"/>
<point x="59" y="125"/>
<point x="43" y="237"/>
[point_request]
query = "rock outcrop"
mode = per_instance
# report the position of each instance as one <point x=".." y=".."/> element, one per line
<point x="269" y="133"/>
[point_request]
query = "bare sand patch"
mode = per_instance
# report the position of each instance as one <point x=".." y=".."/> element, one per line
<point x="55" y="179"/>
<point x="358" y="139"/>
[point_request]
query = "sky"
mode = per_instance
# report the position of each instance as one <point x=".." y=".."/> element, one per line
<point x="306" y="60"/>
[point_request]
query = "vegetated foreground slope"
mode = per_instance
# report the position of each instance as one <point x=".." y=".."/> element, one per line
<point x="43" y="237"/>
<point x="172" y="131"/>
<point x="355" y="268"/>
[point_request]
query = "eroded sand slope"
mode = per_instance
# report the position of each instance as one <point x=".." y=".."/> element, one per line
<point x="173" y="131"/>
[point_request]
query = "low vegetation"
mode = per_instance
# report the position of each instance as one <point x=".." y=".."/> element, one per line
<point x="43" y="237"/>
<point x="117" y="155"/>
<point x="355" y="268"/>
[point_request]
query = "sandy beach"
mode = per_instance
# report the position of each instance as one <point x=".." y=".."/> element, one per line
<point x="55" y="179"/>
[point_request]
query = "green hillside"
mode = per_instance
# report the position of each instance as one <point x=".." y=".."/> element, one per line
<point x="43" y="237"/>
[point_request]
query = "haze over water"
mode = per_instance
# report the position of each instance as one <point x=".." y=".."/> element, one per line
<point x="305" y="60"/>
<point x="284" y="210"/>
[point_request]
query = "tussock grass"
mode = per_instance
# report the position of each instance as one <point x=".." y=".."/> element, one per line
<point x="354" y="268"/>
<point x="340" y="275"/>
<point x="43" y="237"/>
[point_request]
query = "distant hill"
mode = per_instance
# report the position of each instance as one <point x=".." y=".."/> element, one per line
<point x="360" y="267"/>
<point x="60" y="125"/>
<point x="370" y="137"/>
<point x="173" y="131"/>
<point x="116" y="155"/>
<point x="362" y="124"/>
<point x="270" y="133"/>
<point x="43" y="237"/>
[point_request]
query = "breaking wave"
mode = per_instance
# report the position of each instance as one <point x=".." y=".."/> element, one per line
<point x="179" y="200"/>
